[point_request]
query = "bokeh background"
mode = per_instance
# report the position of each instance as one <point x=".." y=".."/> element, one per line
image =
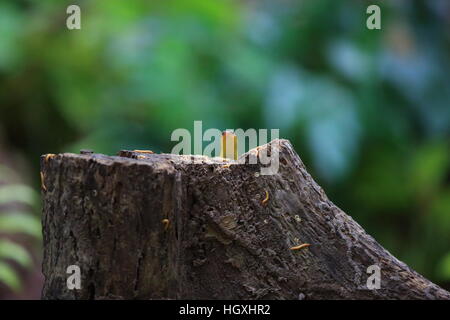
<point x="367" y="110"/>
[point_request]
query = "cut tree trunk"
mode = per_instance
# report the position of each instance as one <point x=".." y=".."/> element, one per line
<point x="157" y="226"/>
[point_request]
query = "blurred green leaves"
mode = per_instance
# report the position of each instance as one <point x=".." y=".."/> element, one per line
<point x="25" y="223"/>
<point x="18" y="193"/>
<point x="444" y="267"/>
<point x="429" y="167"/>
<point x="16" y="200"/>
<point x="9" y="277"/>
<point x="12" y="251"/>
<point x="11" y="50"/>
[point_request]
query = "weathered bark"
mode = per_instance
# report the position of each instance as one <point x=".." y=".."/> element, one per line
<point x="105" y="214"/>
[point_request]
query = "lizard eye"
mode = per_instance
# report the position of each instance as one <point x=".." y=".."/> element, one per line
<point x="228" y="131"/>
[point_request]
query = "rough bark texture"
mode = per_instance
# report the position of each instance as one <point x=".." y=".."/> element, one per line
<point x="105" y="214"/>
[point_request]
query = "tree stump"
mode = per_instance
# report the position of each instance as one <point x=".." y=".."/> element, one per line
<point x="157" y="226"/>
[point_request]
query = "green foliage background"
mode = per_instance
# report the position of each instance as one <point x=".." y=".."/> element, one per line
<point x="367" y="110"/>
